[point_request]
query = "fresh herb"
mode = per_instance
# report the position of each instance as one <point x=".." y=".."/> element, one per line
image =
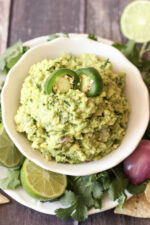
<point x="135" y="54"/>
<point x="65" y="35"/>
<point x="66" y="102"/>
<point x="53" y="36"/>
<point x="119" y="184"/>
<point x="77" y="209"/>
<point x="93" y="37"/>
<point x="121" y="201"/>
<point x="137" y="188"/>
<point x="130" y="50"/>
<point x="10" y="57"/>
<point x="103" y="66"/>
<point x="84" y="193"/>
<point x="11" y="181"/>
<point x="49" y="200"/>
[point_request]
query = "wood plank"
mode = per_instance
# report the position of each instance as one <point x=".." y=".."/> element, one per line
<point x="36" y="18"/>
<point x="4" y="21"/>
<point x="109" y="218"/>
<point x="16" y="214"/>
<point x="103" y="18"/>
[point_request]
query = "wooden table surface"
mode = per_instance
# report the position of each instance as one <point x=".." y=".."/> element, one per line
<point x="26" y="19"/>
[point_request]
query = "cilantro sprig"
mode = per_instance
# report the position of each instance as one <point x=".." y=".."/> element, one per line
<point x="10" y="57"/>
<point x="55" y="36"/>
<point x="84" y="193"/>
<point x="11" y="179"/>
<point x="135" y="54"/>
<point x="92" y="37"/>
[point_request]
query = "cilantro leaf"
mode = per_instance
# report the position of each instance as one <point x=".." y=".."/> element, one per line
<point x="83" y="193"/>
<point x="68" y="198"/>
<point x="11" y="181"/>
<point x="13" y="60"/>
<point x="65" y="213"/>
<point x="49" y="200"/>
<point x="136" y="188"/>
<point x="97" y="190"/>
<point x="66" y="35"/>
<point x="89" y="189"/>
<point x="12" y="54"/>
<point x="118" y="185"/>
<point x="78" y="210"/>
<point x="53" y="36"/>
<point x="135" y="54"/>
<point x="117" y="188"/>
<point x="81" y="211"/>
<point x="92" y="37"/>
<point x="2" y="64"/>
<point x="130" y="50"/>
<point x="121" y="201"/>
<point x="103" y="66"/>
<point x="105" y="178"/>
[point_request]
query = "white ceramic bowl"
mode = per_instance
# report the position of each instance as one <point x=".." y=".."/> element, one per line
<point x="135" y="90"/>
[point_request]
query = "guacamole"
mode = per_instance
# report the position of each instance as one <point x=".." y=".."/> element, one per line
<point x="71" y="127"/>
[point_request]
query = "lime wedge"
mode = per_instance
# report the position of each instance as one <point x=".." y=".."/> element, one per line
<point x="41" y="183"/>
<point x="135" y="21"/>
<point x="9" y="155"/>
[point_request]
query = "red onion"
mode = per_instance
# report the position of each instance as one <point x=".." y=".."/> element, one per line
<point x="65" y="139"/>
<point x="137" y="165"/>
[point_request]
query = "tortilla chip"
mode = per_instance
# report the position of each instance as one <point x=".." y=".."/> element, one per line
<point x="147" y="192"/>
<point x="136" y="206"/>
<point x="3" y="199"/>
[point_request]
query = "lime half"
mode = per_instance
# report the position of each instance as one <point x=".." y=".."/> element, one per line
<point x="41" y="183"/>
<point x="135" y="21"/>
<point x="9" y="155"/>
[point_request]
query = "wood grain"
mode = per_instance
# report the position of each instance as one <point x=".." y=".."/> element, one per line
<point x="37" y="18"/>
<point x="103" y="16"/>
<point x="109" y="218"/>
<point x="17" y="214"/>
<point x="4" y="21"/>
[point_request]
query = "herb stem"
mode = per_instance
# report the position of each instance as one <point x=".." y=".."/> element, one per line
<point x="143" y="49"/>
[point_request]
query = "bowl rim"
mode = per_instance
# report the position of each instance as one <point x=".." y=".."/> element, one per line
<point x="64" y="171"/>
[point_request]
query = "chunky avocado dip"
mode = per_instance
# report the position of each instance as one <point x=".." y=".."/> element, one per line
<point x="67" y="123"/>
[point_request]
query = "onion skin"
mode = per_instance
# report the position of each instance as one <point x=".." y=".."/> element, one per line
<point x="137" y="165"/>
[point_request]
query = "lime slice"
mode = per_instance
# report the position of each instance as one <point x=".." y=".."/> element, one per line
<point x="9" y="155"/>
<point x="135" y="21"/>
<point x="41" y="183"/>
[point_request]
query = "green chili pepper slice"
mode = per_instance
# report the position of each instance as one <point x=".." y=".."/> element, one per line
<point x="52" y="78"/>
<point x="96" y="82"/>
